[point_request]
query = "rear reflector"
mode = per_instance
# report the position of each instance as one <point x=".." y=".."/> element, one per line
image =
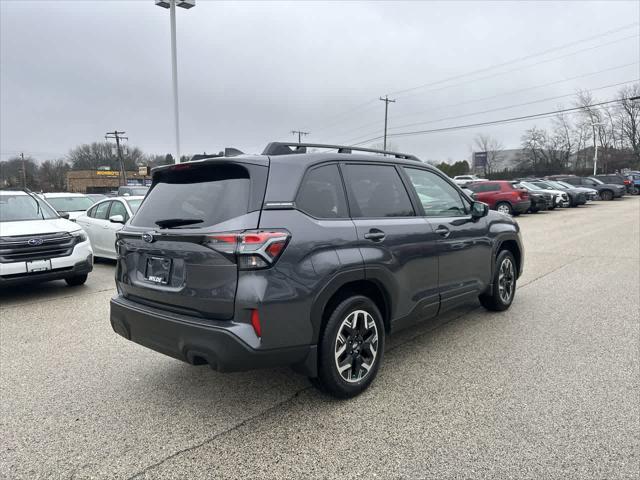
<point x="255" y="323"/>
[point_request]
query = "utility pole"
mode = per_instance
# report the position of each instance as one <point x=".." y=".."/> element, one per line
<point x="118" y="136"/>
<point x="299" y="133"/>
<point x="386" y="101"/>
<point x="24" y="171"/>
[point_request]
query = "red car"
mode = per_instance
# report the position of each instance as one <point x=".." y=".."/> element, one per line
<point x="502" y="196"/>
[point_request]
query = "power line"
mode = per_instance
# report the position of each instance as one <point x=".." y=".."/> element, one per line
<point x="371" y="124"/>
<point x="495" y="122"/>
<point x="508" y="106"/>
<point x="495" y="109"/>
<point x="520" y="59"/>
<point x="370" y="102"/>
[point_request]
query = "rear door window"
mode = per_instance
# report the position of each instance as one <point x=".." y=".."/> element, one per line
<point x="376" y="191"/>
<point x="101" y="210"/>
<point x="199" y="196"/>
<point x="321" y="194"/>
<point x="118" y="208"/>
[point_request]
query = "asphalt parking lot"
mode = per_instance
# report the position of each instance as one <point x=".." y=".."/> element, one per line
<point x="549" y="389"/>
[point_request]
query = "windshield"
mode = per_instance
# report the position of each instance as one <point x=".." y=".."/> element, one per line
<point x="134" y="205"/>
<point x="529" y="186"/>
<point x="142" y="191"/>
<point x="19" y="207"/>
<point x="542" y="185"/>
<point x="599" y="182"/>
<point x="70" y="204"/>
<point x="565" y="185"/>
<point x="557" y="185"/>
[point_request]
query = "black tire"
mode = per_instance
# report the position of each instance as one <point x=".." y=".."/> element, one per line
<point x="606" y="195"/>
<point x="495" y="301"/>
<point x="77" y="280"/>
<point x="329" y="379"/>
<point x="504" y="207"/>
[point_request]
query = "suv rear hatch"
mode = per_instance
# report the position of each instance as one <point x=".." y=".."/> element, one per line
<point x="169" y="255"/>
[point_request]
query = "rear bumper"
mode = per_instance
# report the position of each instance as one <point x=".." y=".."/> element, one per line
<point x="227" y="346"/>
<point x="522" y="207"/>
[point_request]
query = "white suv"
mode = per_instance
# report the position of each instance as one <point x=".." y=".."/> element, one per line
<point x="37" y="244"/>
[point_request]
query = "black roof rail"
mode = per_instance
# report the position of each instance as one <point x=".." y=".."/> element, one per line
<point x="286" y="148"/>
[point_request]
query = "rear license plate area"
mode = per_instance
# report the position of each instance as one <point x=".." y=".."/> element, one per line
<point x="158" y="270"/>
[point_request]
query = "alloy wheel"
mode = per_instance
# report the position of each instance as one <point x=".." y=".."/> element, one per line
<point x="506" y="280"/>
<point x="356" y="346"/>
<point x="504" y="208"/>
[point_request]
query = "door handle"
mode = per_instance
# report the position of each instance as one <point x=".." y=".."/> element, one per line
<point x="375" y="235"/>
<point x="442" y="230"/>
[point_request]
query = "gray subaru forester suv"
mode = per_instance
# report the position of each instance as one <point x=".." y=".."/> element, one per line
<point x="305" y="259"/>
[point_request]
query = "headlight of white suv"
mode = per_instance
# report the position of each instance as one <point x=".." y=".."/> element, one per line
<point x="80" y="236"/>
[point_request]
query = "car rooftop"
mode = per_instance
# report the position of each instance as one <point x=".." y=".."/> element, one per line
<point x="63" y="194"/>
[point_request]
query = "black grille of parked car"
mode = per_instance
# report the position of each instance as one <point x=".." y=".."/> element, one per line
<point x="35" y="247"/>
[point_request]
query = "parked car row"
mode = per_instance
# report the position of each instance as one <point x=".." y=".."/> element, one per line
<point x="52" y="236"/>
<point x="531" y="195"/>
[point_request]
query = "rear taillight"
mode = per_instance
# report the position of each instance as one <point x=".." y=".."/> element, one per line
<point x="627" y="182"/>
<point x="255" y="249"/>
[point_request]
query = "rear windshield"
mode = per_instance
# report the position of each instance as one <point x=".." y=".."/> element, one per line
<point x="70" y="204"/>
<point x="195" y="197"/>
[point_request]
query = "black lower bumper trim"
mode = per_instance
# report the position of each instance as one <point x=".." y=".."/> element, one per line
<point x="80" y="268"/>
<point x="197" y="343"/>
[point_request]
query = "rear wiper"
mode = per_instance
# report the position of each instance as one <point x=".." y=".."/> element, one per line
<point x="177" y="222"/>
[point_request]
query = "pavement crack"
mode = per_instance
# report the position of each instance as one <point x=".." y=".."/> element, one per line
<point x="540" y="277"/>
<point x="220" y="434"/>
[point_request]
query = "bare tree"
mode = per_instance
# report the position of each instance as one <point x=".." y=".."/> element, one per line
<point x="494" y="149"/>
<point x="629" y="119"/>
<point x="103" y="154"/>
<point x="53" y="175"/>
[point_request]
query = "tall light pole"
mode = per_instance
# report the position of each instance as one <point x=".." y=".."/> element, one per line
<point x="595" y="146"/>
<point x="171" y="5"/>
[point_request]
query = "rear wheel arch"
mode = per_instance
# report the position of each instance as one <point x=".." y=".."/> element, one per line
<point x="368" y="288"/>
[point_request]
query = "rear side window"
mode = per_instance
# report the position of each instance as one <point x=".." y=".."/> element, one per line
<point x="100" y="211"/>
<point x="196" y="196"/>
<point x="484" y="187"/>
<point x="118" y="208"/>
<point x="376" y="191"/>
<point x="321" y="194"/>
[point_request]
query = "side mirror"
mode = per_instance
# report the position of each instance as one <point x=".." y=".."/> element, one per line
<point x="116" y="219"/>
<point x="64" y="215"/>
<point x="479" y="210"/>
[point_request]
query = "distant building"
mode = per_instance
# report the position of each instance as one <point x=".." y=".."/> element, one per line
<point x="101" y="181"/>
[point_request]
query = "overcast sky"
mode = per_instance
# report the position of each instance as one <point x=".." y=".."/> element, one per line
<point x="250" y="72"/>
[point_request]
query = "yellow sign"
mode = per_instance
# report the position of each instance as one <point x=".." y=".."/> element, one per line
<point x="108" y="173"/>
